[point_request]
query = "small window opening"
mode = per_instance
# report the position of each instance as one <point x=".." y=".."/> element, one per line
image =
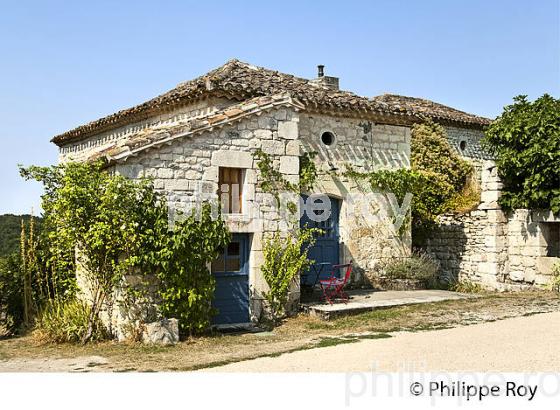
<point x="230" y="190"/>
<point x="463" y="145"/>
<point x="327" y="138"/>
<point x="551" y="233"/>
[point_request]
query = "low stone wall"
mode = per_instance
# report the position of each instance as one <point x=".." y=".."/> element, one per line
<point x="496" y="249"/>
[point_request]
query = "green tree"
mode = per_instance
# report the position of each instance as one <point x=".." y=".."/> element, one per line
<point x="116" y="229"/>
<point x="525" y="140"/>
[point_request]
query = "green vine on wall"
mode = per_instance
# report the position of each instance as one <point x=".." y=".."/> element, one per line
<point x="272" y="181"/>
<point x="284" y="259"/>
<point x="439" y="179"/>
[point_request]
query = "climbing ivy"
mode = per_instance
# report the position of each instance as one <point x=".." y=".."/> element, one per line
<point x="436" y="179"/>
<point x="273" y="181"/>
<point x="187" y="285"/>
<point x="285" y="257"/>
<point x="307" y="171"/>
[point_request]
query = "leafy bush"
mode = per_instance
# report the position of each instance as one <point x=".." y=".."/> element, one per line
<point x="466" y="286"/>
<point x="555" y="282"/>
<point x="187" y="286"/>
<point x="431" y="152"/>
<point x="284" y="259"/>
<point x="67" y="321"/>
<point x="11" y="294"/>
<point x="525" y="140"/>
<point x="419" y="266"/>
<point x="117" y="228"/>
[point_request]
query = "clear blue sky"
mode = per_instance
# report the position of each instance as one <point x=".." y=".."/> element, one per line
<point x="66" y="63"/>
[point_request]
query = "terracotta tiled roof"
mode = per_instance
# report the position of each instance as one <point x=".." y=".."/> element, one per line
<point x="240" y="81"/>
<point x="162" y="134"/>
<point x="426" y="108"/>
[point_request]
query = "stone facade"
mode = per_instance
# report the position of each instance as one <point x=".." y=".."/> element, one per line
<point x="468" y="143"/>
<point x="365" y="147"/>
<point x="187" y="170"/>
<point x="81" y="150"/>
<point x="183" y="137"/>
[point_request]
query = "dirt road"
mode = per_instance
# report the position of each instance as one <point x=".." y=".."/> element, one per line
<point x="519" y="344"/>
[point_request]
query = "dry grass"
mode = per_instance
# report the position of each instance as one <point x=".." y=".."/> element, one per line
<point x="468" y="199"/>
<point x="301" y="332"/>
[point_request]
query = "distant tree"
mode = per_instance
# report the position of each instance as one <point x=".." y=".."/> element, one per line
<point x="10" y="228"/>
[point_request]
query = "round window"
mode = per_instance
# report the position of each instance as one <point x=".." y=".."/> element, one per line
<point x="327" y="138"/>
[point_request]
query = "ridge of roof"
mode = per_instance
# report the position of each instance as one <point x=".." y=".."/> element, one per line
<point x="426" y="108"/>
<point x="238" y="80"/>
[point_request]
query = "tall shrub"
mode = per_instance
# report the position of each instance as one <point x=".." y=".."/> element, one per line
<point x="285" y="258"/>
<point x="187" y="285"/>
<point x="525" y="140"/>
<point x="116" y="228"/>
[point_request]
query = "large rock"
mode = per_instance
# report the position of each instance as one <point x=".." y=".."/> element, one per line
<point x="165" y="332"/>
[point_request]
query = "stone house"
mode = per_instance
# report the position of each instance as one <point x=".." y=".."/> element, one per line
<point x="197" y="142"/>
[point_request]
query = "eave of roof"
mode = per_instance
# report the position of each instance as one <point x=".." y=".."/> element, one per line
<point x="240" y="81"/>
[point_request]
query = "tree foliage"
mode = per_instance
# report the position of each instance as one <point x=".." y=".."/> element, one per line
<point x="525" y="140"/>
<point x="10" y="229"/>
<point x="187" y="286"/>
<point x="11" y="294"/>
<point x="117" y="229"/>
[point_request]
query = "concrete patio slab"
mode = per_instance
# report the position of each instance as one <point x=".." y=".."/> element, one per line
<point x="366" y="300"/>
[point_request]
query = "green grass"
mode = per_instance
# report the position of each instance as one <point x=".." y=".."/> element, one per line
<point x="333" y="341"/>
<point x="321" y="343"/>
<point x="375" y="336"/>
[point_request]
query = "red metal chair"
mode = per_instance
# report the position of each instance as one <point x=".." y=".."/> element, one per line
<point x="333" y="287"/>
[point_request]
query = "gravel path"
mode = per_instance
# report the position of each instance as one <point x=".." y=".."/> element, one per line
<point x="81" y="364"/>
<point x="521" y="344"/>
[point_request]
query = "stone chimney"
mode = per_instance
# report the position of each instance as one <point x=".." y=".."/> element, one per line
<point x="325" y="81"/>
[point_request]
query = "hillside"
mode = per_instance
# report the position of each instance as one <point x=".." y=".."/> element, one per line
<point x="10" y="230"/>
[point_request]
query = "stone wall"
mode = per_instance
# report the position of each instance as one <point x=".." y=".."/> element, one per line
<point x="187" y="171"/>
<point x="495" y="249"/>
<point x="367" y="235"/>
<point x="468" y="143"/>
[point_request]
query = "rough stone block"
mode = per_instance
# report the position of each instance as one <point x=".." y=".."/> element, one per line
<point x="211" y="174"/>
<point x="233" y="159"/>
<point x="288" y="130"/>
<point x="489" y="196"/>
<point x="178" y="185"/>
<point x="165" y="331"/>
<point x="165" y="173"/>
<point x="293" y="148"/>
<point x="545" y="264"/>
<point x="289" y="165"/>
<point x="263" y="134"/>
<point x="272" y="147"/>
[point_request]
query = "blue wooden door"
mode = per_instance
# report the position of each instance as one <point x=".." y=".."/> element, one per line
<point x="326" y="248"/>
<point x="231" y="271"/>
